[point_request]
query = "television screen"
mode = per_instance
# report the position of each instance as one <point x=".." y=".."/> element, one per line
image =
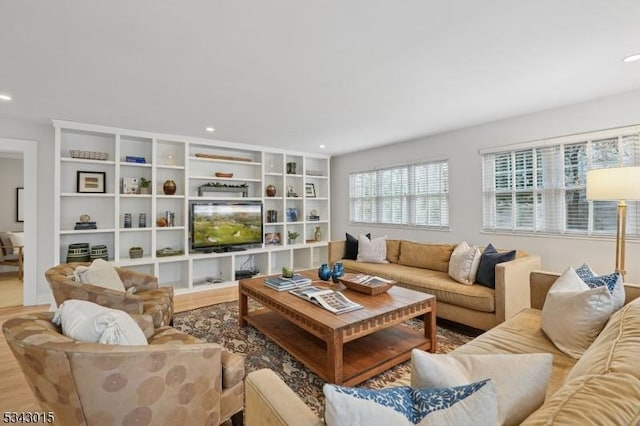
<point x="225" y="224"/>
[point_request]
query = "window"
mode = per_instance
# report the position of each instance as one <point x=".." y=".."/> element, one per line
<point x="541" y="187"/>
<point x="413" y="195"/>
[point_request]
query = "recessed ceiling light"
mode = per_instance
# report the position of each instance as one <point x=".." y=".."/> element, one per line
<point x="632" y="58"/>
<point x="210" y="129"/>
<point x="4" y="97"/>
<point x="323" y="146"/>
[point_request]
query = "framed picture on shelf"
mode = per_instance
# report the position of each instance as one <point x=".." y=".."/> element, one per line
<point x="91" y="182"/>
<point x="292" y="214"/>
<point x="310" y="190"/>
<point x="272" y="238"/>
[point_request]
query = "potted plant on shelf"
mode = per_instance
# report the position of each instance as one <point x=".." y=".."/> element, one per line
<point x="292" y="235"/>
<point x="145" y="186"/>
<point x="135" y="252"/>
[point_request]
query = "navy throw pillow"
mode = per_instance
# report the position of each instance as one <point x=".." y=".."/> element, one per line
<point x="486" y="275"/>
<point x="351" y="248"/>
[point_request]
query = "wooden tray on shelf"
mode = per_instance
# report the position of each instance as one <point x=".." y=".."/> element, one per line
<point x="353" y="282"/>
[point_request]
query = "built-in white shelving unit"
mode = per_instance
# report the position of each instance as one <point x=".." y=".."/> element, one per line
<point x="301" y="203"/>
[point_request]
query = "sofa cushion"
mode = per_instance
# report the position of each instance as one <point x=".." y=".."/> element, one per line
<point x="486" y="274"/>
<point x="520" y="379"/>
<point x="573" y="313"/>
<point x="464" y="262"/>
<point x="372" y="250"/>
<point x="522" y="334"/>
<point x="427" y="256"/>
<point x="439" y="284"/>
<point x="89" y="322"/>
<point x="617" y="347"/>
<point x="470" y="404"/>
<point x="100" y="273"/>
<point x="17" y="240"/>
<point x="612" y="281"/>
<point x="393" y="250"/>
<point x="351" y="246"/>
<point x="610" y="399"/>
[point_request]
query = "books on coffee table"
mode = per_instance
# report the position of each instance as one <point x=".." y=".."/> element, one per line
<point x="330" y="300"/>
<point x="283" y="284"/>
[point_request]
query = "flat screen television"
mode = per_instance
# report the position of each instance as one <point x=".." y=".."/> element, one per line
<point x="225" y="225"/>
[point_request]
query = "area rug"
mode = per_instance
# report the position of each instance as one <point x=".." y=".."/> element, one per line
<point x="219" y="324"/>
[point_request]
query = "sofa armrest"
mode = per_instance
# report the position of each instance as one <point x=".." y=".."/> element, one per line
<point x="269" y="401"/>
<point x="336" y="251"/>
<point x="512" y="286"/>
<point x="541" y="282"/>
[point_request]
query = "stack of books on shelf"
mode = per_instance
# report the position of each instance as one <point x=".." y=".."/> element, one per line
<point x="85" y="225"/>
<point x="283" y="284"/>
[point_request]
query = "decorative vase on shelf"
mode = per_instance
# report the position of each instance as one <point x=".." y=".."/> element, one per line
<point x="337" y="272"/>
<point x="169" y="187"/>
<point x="271" y="190"/>
<point x="317" y="234"/>
<point x="324" y="273"/>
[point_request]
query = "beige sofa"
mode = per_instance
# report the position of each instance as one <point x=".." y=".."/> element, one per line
<point x="603" y="387"/>
<point x="425" y="267"/>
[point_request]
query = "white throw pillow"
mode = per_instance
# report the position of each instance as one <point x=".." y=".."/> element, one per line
<point x="573" y="313"/>
<point x="473" y="404"/>
<point x="520" y="379"/>
<point x="100" y="273"/>
<point x="89" y="322"/>
<point x="464" y="262"/>
<point x="372" y="250"/>
<point x="17" y="239"/>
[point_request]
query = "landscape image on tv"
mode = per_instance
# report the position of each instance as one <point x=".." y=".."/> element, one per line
<point x="216" y="225"/>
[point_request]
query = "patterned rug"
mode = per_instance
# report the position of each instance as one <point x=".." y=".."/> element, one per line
<point x="219" y="323"/>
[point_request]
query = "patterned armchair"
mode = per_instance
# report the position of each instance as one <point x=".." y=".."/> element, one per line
<point x="148" y="299"/>
<point x="177" y="380"/>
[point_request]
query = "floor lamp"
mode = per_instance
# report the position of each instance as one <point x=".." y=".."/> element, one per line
<point x="616" y="184"/>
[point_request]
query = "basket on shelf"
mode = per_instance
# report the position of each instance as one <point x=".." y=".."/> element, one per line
<point x="88" y="155"/>
<point x="135" y="252"/>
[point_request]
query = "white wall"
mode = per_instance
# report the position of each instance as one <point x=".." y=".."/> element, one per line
<point x="465" y="172"/>
<point x="11" y="176"/>
<point x="43" y="134"/>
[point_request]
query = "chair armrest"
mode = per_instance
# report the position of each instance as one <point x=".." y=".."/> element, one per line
<point x="512" y="286"/>
<point x="269" y="401"/>
<point x="121" y="300"/>
<point x="336" y="251"/>
<point x="139" y="280"/>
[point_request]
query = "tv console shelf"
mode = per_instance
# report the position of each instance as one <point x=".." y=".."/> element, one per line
<point x="190" y="163"/>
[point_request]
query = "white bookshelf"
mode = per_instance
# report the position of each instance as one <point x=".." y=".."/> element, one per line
<point x="180" y="159"/>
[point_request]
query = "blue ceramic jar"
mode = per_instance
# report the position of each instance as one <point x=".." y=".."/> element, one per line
<point x="324" y="273"/>
<point x="338" y="271"/>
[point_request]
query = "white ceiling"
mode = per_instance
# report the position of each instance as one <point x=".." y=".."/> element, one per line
<point x="296" y="74"/>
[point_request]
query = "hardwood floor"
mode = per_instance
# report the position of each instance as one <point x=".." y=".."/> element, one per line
<point x="10" y="290"/>
<point x="15" y="393"/>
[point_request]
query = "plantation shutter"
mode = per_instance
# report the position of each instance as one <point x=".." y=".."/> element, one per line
<point x="543" y="188"/>
<point x="414" y="195"/>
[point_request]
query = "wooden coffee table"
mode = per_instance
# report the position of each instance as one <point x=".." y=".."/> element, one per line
<point x="345" y="349"/>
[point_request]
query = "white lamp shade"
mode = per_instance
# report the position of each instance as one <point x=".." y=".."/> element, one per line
<point x="616" y="183"/>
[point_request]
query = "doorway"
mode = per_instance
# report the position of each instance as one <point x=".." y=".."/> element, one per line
<point x="28" y="151"/>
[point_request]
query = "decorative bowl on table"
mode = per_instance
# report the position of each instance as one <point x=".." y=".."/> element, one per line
<point x="224" y="175"/>
<point x="359" y="283"/>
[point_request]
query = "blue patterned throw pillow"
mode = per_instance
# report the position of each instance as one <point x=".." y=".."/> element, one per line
<point x="612" y="281"/>
<point x="474" y="404"/>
